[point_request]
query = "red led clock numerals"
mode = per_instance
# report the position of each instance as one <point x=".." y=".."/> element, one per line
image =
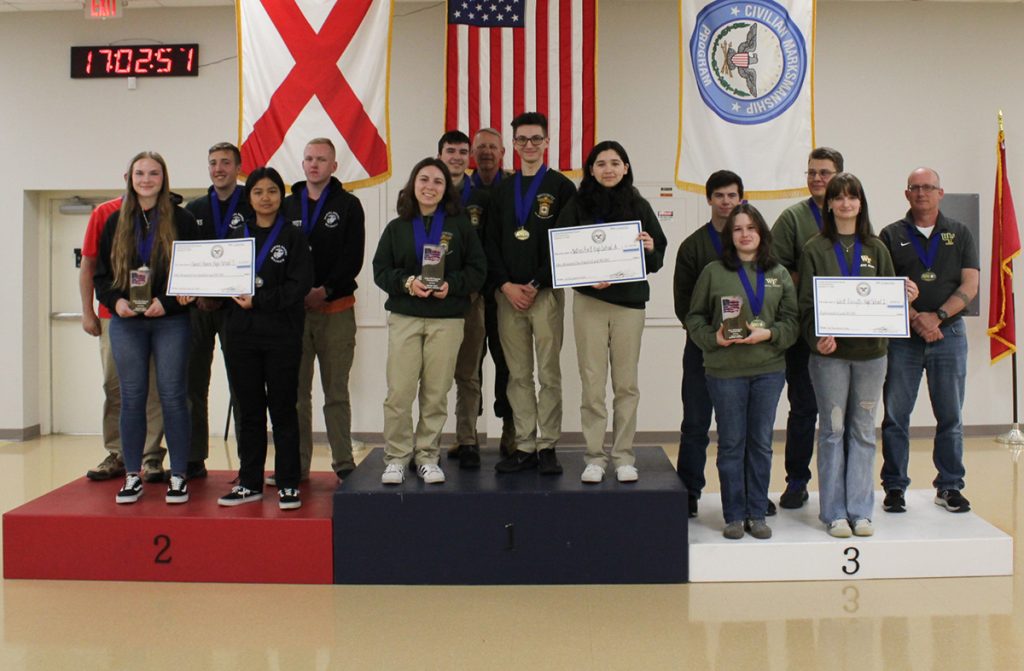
<point x="176" y="60"/>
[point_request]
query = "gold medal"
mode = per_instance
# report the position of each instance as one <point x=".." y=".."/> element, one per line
<point x="522" y="234"/>
<point x="757" y="323"/>
<point x="928" y="276"/>
<point x="258" y="282"/>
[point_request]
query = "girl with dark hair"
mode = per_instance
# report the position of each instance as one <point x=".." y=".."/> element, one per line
<point x="425" y="324"/>
<point x="745" y="375"/>
<point x="608" y="319"/>
<point x="847" y="373"/>
<point x="131" y="280"/>
<point x="263" y="345"/>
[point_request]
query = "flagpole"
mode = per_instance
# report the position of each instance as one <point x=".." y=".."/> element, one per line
<point x="1014" y="438"/>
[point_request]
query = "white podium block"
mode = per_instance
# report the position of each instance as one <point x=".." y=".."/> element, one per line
<point x="925" y="542"/>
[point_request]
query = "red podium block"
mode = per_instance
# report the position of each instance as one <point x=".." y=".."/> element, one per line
<point x="77" y="532"/>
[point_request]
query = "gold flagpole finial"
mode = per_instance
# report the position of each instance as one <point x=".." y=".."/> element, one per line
<point x="1000" y="121"/>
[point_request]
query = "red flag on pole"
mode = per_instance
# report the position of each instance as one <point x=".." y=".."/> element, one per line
<point x="1005" y="246"/>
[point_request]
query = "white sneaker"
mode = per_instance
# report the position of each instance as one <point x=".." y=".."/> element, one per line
<point x="627" y="473"/>
<point x="839" y="529"/>
<point x="394" y="474"/>
<point x="592" y="474"/>
<point x="431" y="473"/>
<point x="863" y="527"/>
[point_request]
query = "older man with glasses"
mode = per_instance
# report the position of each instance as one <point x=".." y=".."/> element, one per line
<point x="941" y="256"/>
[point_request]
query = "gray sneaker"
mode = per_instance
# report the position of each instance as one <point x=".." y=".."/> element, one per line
<point x="758" y="529"/>
<point x="733" y="530"/>
<point x="111" y="467"/>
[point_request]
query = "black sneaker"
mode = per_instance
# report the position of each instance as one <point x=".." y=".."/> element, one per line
<point x="771" y="509"/>
<point x="507" y="445"/>
<point x="288" y="499"/>
<point x="239" y="495"/>
<point x="469" y="457"/>
<point x="794" y="496"/>
<point x="132" y="489"/>
<point x="111" y="467"/>
<point x="177" y="491"/>
<point x="692" y="499"/>
<point x="517" y="461"/>
<point x="343" y="473"/>
<point x="952" y="500"/>
<point x="547" y="462"/>
<point x="195" y="470"/>
<point x="894" y="501"/>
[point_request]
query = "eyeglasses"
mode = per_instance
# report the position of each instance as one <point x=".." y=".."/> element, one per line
<point x="521" y="140"/>
<point x="824" y="174"/>
<point x="925" y="188"/>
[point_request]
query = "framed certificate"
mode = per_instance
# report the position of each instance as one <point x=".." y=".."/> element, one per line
<point x="584" y="255"/>
<point x="216" y="268"/>
<point x="861" y="307"/>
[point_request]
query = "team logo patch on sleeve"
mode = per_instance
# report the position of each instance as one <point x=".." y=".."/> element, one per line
<point x="474" y="212"/>
<point x="446" y="239"/>
<point x="278" y="253"/>
<point x="332" y="219"/>
<point x="236" y="221"/>
<point x="749" y="59"/>
<point x="545" y="201"/>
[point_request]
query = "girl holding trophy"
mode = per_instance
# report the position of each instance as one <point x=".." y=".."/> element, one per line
<point x="131" y="280"/>
<point x="429" y="261"/>
<point x="743" y="316"/>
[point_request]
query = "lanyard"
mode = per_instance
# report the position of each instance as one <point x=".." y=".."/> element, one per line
<point x="220" y="224"/>
<point x="478" y="183"/>
<point x="421" y="236"/>
<point x="847" y="270"/>
<point x="927" y="258"/>
<point x="523" y="208"/>
<point x="467" y="191"/>
<point x="716" y="239"/>
<point x="268" y="244"/>
<point x="816" y="211"/>
<point x="756" y="297"/>
<point x="145" y="240"/>
<point x="307" y="223"/>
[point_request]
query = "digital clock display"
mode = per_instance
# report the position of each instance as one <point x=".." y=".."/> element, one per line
<point x="165" y="60"/>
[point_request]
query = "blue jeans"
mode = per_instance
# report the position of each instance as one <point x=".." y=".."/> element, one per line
<point x="945" y="361"/>
<point x="848" y="394"/>
<point x="745" y="440"/>
<point x="166" y="340"/>
<point x="693" y="433"/>
<point x="803" y="413"/>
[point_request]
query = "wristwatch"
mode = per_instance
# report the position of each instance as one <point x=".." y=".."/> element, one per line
<point x="942" y="314"/>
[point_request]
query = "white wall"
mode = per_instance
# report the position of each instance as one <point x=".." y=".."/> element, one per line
<point x="897" y="85"/>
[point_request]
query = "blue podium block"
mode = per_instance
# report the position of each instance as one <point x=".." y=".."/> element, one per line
<point x="481" y="527"/>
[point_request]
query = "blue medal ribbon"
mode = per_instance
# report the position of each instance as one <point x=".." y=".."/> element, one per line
<point x="523" y="204"/>
<point x="756" y="297"/>
<point x="419" y="231"/>
<point x="478" y="183"/>
<point x="467" y="191"/>
<point x="220" y="224"/>
<point x="927" y="258"/>
<point x="268" y="244"/>
<point x="716" y="239"/>
<point x="307" y="223"/>
<point x="847" y="270"/>
<point x="815" y="210"/>
<point x="145" y="240"/>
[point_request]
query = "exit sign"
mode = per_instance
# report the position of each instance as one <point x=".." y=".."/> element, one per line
<point x="104" y="9"/>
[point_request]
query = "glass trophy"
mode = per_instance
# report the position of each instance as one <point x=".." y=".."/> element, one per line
<point x="140" y="292"/>
<point x="432" y="275"/>
<point x="733" y="327"/>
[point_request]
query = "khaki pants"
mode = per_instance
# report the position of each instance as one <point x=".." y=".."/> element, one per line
<point x="331" y="340"/>
<point x="467" y="374"/>
<point x="112" y="405"/>
<point x="538" y="414"/>
<point x="606" y="332"/>
<point x="421" y="356"/>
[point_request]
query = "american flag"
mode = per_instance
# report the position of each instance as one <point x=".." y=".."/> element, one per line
<point x="505" y="57"/>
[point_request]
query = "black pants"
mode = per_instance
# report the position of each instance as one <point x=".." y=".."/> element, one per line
<point x="493" y="345"/>
<point x="206" y="326"/>
<point x="803" y="414"/>
<point x="266" y="378"/>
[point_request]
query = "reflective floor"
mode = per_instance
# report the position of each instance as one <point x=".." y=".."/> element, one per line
<point x="963" y="624"/>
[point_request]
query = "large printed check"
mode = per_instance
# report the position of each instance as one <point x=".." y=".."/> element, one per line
<point x="861" y="307"/>
<point x="221" y="268"/>
<point x="584" y="255"/>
